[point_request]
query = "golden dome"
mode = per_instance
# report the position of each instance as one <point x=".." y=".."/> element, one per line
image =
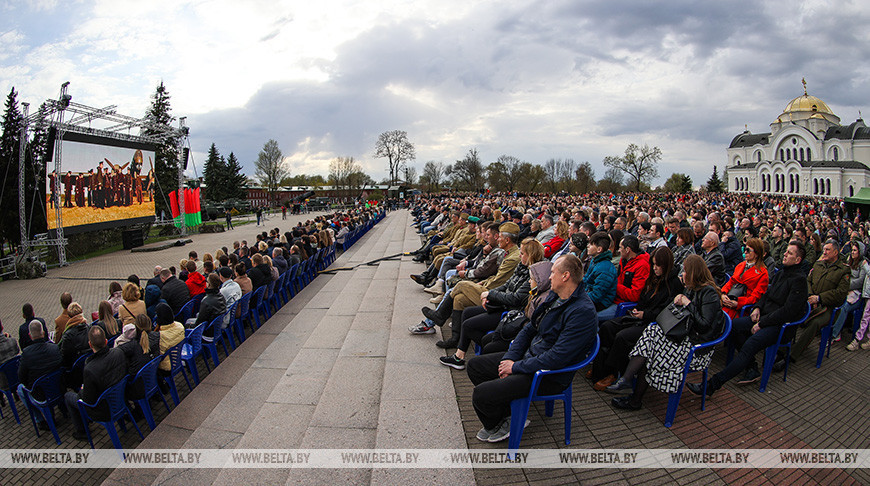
<point x="807" y="103"/>
<point x="817" y="116"/>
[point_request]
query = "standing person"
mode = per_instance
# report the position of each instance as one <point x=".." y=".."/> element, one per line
<point x="229" y="217"/>
<point x="561" y="332"/>
<point x="283" y="211"/>
<point x="259" y="214"/>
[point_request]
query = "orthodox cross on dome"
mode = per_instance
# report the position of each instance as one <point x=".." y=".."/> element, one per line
<point x="804" y="82"/>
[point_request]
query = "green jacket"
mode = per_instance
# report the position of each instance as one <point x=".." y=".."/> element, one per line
<point x="830" y="281"/>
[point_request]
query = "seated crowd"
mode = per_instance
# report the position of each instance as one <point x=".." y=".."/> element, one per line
<point x="134" y="325"/>
<point x="532" y="282"/>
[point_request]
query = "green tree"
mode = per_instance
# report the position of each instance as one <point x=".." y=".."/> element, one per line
<point x="395" y="147"/>
<point x="468" y="174"/>
<point x="166" y="156"/>
<point x="214" y="175"/>
<point x="9" y="148"/>
<point x="585" y="176"/>
<point x="271" y="168"/>
<point x="236" y="180"/>
<point x="677" y="182"/>
<point x="639" y="163"/>
<point x="532" y="179"/>
<point x="714" y="183"/>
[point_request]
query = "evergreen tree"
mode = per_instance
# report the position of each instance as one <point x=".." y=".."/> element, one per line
<point x="12" y="122"/>
<point x="214" y="175"/>
<point x="236" y="180"/>
<point x="166" y="163"/>
<point x="715" y="184"/>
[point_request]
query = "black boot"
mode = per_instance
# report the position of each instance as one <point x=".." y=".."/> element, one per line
<point x="440" y="314"/>
<point x="455" y="325"/>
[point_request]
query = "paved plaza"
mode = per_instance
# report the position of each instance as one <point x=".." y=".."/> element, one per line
<point x="337" y="368"/>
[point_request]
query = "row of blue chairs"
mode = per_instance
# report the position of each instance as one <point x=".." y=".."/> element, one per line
<point x="249" y="309"/>
<point x="351" y="237"/>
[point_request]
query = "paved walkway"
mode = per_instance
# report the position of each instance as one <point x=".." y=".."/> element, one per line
<point x="336" y="368"/>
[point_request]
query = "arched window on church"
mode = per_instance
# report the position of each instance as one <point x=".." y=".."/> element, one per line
<point x="815" y="186"/>
<point x="828" y="187"/>
<point x="801" y="152"/>
<point x="836" y="153"/>
<point x="851" y="191"/>
<point x="758" y="157"/>
<point x="781" y="155"/>
<point x="794" y="155"/>
<point x="809" y="156"/>
<point x="737" y="183"/>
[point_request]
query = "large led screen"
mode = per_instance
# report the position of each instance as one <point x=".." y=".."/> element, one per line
<point x="103" y="183"/>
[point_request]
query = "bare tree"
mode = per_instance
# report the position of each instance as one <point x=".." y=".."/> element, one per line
<point x="340" y="171"/>
<point x="640" y="163"/>
<point x="410" y="174"/>
<point x="566" y="175"/>
<point x="612" y="181"/>
<point x="551" y="174"/>
<point x="271" y="168"/>
<point x="433" y="174"/>
<point x="513" y="170"/>
<point x="395" y="147"/>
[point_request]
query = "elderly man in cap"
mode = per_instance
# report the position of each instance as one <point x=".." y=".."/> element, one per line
<point x="467" y="293"/>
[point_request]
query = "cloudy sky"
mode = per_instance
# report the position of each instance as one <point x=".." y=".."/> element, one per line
<point x="536" y="80"/>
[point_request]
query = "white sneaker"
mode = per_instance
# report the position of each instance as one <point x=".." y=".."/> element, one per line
<point x="421" y="328"/>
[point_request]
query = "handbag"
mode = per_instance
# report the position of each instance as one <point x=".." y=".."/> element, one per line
<point x="674" y="321"/>
<point x="737" y="290"/>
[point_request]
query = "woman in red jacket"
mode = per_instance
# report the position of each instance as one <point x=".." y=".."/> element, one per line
<point x="749" y="281"/>
<point x="555" y="243"/>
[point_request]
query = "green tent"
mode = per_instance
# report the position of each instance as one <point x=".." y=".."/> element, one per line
<point x="860" y="202"/>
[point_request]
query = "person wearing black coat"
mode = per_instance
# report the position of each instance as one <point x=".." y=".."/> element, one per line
<point x="619" y="335"/>
<point x="174" y="291"/>
<point x="659" y="360"/>
<point x="106" y="367"/>
<point x="37" y="360"/>
<point x="259" y="274"/>
<point x="212" y="306"/>
<point x="785" y="301"/>
<point x="730" y="249"/>
<point x="713" y="257"/>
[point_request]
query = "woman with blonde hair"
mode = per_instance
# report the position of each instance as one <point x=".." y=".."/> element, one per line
<point x="555" y="243"/>
<point x="659" y="360"/>
<point x="132" y="305"/>
<point x="107" y="319"/>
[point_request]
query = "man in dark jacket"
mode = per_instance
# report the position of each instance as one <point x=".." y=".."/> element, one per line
<point x="24" y="330"/>
<point x="174" y="291"/>
<point x="38" y="359"/>
<point x="713" y="257"/>
<point x="785" y="301"/>
<point x="730" y="249"/>
<point x="259" y="274"/>
<point x="106" y="367"/>
<point x="561" y="333"/>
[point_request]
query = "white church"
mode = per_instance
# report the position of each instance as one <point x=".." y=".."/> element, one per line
<point x="807" y="152"/>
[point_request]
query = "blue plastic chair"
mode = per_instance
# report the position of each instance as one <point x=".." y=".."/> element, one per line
<point x="287" y="290"/>
<point x="674" y="398"/>
<point x="118" y="411"/>
<point x="52" y="389"/>
<point x="269" y="299"/>
<point x="186" y="311"/>
<point x="520" y="406"/>
<point x="193" y="348"/>
<point x="217" y="338"/>
<point x="825" y="341"/>
<point x="746" y="309"/>
<point x="297" y="281"/>
<point x="72" y="377"/>
<point x="147" y="375"/>
<point x="770" y="352"/>
<point x="244" y="311"/>
<point x="10" y="370"/>
<point x="228" y="331"/>
<point x="176" y="367"/>
<point x="623" y="308"/>
<point x="256" y="304"/>
<point x="197" y="301"/>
